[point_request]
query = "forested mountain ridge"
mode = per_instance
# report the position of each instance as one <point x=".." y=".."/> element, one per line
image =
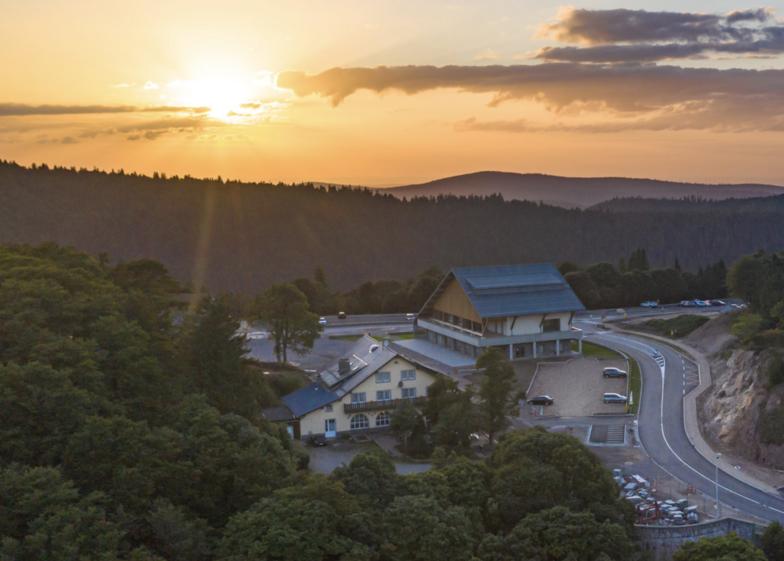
<point x="576" y="192"/>
<point x="241" y="237"/>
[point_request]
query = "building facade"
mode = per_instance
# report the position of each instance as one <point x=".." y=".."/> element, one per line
<point x="526" y="311"/>
<point x="358" y="393"/>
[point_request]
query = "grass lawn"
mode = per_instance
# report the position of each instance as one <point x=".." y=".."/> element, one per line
<point x="345" y="337"/>
<point x="393" y="336"/>
<point x="597" y="351"/>
<point x="676" y="327"/>
<point x="635" y="385"/>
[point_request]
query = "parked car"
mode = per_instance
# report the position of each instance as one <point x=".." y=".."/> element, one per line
<point x="612" y="372"/>
<point x="317" y="440"/>
<point x="341" y="315"/>
<point x="687" y="304"/>
<point x="718" y="303"/>
<point x="614" y="398"/>
<point x="702" y="303"/>
<point x="410" y="316"/>
<point x="649" y="304"/>
<point x="322" y="321"/>
<point x="541" y="400"/>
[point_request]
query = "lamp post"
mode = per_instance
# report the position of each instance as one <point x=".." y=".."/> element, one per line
<point x="716" y="479"/>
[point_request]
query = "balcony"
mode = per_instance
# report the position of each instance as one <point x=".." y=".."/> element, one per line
<point x="493" y="339"/>
<point x="389" y="404"/>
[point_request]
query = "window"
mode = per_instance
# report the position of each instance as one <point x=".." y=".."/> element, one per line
<point x="408" y="375"/>
<point x="328" y="408"/>
<point x="409" y="393"/>
<point x="383" y="377"/>
<point x="551" y="325"/>
<point x="359" y="397"/>
<point x="359" y="422"/>
<point x="383" y="395"/>
<point x="382" y="419"/>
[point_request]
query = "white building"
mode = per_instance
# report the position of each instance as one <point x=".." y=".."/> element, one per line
<point x="358" y="393"/>
<point x="524" y="310"/>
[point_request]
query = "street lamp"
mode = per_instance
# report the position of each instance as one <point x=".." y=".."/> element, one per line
<point x="716" y="479"/>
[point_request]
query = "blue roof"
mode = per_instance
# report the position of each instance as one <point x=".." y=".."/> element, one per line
<point x="308" y="399"/>
<point x="517" y="290"/>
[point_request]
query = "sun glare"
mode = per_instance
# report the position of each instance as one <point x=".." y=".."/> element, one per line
<point x="229" y="96"/>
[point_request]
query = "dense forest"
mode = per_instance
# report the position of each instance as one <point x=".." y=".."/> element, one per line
<point x="130" y="429"/>
<point x="239" y="237"/>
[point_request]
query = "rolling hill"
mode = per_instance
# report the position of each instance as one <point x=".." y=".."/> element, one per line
<point x="576" y="192"/>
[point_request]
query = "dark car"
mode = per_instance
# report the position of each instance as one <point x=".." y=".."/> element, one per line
<point x="612" y="372"/>
<point x="341" y="315"/>
<point x="614" y="398"/>
<point x="317" y="440"/>
<point x="541" y="400"/>
<point x="718" y="303"/>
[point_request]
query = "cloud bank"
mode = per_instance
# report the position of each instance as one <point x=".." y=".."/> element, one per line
<point x="612" y="70"/>
<point x="23" y="109"/>
<point x="637" y="35"/>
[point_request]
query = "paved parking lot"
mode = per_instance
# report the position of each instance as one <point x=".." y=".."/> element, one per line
<point x="577" y="386"/>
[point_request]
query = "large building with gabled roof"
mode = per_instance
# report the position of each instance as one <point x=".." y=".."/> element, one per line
<point x="524" y="310"/>
<point x="357" y="393"/>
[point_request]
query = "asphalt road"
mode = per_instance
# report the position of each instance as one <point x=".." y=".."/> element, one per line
<point x="666" y="379"/>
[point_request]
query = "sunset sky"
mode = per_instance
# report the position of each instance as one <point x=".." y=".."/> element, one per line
<point x="393" y="92"/>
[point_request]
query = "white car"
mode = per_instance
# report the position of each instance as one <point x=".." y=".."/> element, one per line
<point x="322" y="321"/>
<point x="612" y="372"/>
<point x="410" y="316"/>
<point x="649" y="304"/>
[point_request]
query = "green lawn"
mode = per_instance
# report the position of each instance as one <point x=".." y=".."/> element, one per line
<point x="393" y="336"/>
<point x="635" y="385"/>
<point x="597" y="351"/>
<point x="345" y="337"/>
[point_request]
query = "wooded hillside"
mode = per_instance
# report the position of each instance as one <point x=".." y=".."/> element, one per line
<point x="242" y="237"/>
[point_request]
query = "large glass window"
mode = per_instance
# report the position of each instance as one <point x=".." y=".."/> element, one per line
<point x="359" y="422"/>
<point x="359" y="397"/>
<point x="551" y="325"/>
<point x="382" y="419"/>
<point x="383" y="395"/>
<point x="408" y="393"/>
<point x="407" y="375"/>
<point x="383" y="377"/>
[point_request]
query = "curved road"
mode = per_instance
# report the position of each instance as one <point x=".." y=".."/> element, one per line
<point x="661" y="427"/>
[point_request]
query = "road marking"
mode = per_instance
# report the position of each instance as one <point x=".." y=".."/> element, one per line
<point x="662" y="363"/>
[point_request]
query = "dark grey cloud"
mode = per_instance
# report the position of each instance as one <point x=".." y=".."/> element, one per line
<point x="637" y="35"/>
<point x="621" y="87"/>
<point x="635" y="26"/>
<point x="772" y="45"/>
<point x="23" y="109"/>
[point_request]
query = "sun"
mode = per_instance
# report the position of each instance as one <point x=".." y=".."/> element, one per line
<point x="230" y="94"/>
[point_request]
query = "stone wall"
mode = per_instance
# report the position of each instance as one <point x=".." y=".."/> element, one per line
<point x="663" y="541"/>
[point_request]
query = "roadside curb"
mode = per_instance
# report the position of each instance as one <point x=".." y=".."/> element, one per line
<point x="691" y="423"/>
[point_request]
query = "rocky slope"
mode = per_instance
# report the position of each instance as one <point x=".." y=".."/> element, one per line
<point x="734" y="410"/>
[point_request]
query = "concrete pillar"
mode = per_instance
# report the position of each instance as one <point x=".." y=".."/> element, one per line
<point x="557" y="347"/>
<point x="534" y="346"/>
<point x="580" y="346"/>
<point x="511" y="352"/>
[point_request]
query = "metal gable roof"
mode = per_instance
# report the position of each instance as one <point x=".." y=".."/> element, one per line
<point x="516" y="290"/>
<point x="308" y="399"/>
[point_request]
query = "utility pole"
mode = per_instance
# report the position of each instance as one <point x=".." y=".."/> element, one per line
<point x="718" y="504"/>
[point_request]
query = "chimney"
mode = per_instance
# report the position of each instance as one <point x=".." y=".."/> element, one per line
<point x="344" y="366"/>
